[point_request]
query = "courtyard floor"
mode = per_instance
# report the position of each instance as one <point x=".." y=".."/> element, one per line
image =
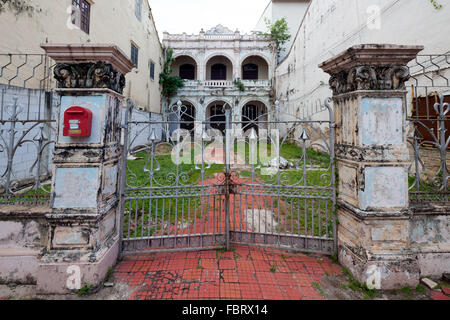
<point x="243" y="273"/>
<point x="248" y="273"/>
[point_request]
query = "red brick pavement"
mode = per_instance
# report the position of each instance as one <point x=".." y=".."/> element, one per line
<point x="439" y="295"/>
<point x="248" y="273"/>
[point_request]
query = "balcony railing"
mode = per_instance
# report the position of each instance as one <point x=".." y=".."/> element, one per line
<point x="256" y="83"/>
<point x="225" y="83"/>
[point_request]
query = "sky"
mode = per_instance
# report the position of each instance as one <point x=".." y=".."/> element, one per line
<point x="190" y="16"/>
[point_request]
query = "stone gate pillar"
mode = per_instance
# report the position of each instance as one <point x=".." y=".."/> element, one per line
<point x="368" y="83"/>
<point x="83" y="228"/>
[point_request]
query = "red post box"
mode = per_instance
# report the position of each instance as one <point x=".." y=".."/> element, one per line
<point x="77" y="122"/>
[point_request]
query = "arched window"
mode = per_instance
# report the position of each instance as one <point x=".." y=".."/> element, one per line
<point x="250" y="72"/>
<point x="187" y="71"/>
<point x="219" y="72"/>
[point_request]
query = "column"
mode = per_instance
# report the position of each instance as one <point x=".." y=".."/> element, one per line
<point x="83" y="228"/>
<point x="368" y="83"/>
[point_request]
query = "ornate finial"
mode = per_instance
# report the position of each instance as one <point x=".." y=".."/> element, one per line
<point x="304" y="136"/>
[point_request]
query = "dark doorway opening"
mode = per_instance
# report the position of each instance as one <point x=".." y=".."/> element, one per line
<point x="187" y="118"/>
<point x="187" y="72"/>
<point x="250" y="72"/>
<point x="251" y="115"/>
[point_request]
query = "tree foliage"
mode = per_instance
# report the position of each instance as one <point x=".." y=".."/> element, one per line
<point x="170" y="83"/>
<point x="279" y="31"/>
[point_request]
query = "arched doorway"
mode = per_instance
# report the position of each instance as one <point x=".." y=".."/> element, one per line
<point x="255" y="68"/>
<point x="219" y="68"/>
<point x="216" y="116"/>
<point x="185" y="67"/>
<point x="254" y="113"/>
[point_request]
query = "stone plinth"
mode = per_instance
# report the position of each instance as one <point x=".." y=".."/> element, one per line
<point x="84" y="224"/>
<point x="368" y="83"/>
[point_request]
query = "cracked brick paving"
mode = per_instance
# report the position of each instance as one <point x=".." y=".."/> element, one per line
<point x="249" y="273"/>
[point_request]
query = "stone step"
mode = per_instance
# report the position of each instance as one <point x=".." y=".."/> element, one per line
<point x="429" y="283"/>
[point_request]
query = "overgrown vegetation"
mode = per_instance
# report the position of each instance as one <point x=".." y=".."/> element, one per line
<point x="420" y="288"/>
<point x="239" y="85"/>
<point x="355" y="285"/>
<point x="436" y="5"/>
<point x="108" y="274"/>
<point x="318" y="287"/>
<point x="273" y="268"/>
<point x="86" y="289"/>
<point x="170" y="84"/>
<point x="279" y="31"/>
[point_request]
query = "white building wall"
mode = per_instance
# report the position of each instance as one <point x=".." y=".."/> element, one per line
<point x="292" y="10"/>
<point x="267" y="14"/>
<point x="331" y="26"/>
<point x="111" y="21"/>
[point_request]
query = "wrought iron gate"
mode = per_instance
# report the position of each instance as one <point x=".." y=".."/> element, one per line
<point x="267" y="181"/>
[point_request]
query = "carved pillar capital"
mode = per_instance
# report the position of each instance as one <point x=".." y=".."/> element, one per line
<point x="90" y="66"/>
<point x="89" y="76"/>
<point x="370" y="67"/>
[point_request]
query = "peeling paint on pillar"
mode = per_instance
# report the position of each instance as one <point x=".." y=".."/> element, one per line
<point x="384" y="188"/>
<point x="381" y="121"/>
<point x="371" y="147"/>
<point x="76" y="187"/>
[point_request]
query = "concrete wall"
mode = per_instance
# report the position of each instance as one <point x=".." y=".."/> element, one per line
<point x="140" y="133"/>
<point x="32" y="105"/>
<point x="331" y="26"/>
<point x="22" y="237"/>
<point x="429" y="235"/>
<point x="112" y="21"/>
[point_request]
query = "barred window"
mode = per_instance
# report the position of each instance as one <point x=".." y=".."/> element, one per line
<point x="81" y="14"/>
<point x="152" y="70"/>
<point x="138" y="9"/>
<point x="250" y="72"/>
<point x="134" y="55"/>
